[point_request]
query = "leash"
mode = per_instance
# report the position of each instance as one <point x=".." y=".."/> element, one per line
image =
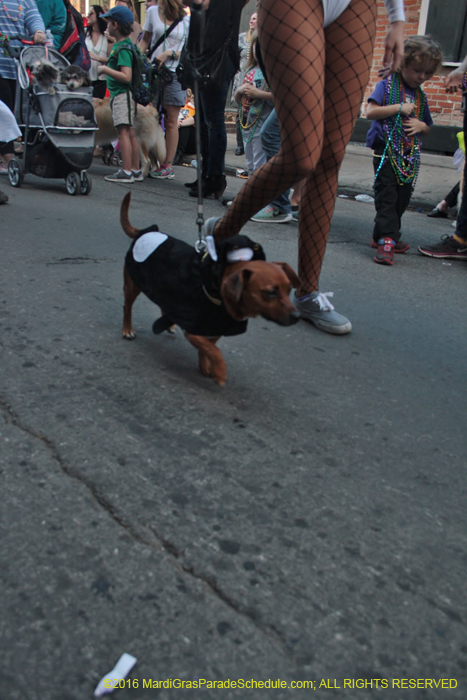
<point x="195" y="46"/>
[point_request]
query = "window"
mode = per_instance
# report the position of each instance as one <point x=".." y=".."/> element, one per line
<point x="446" y="22"/>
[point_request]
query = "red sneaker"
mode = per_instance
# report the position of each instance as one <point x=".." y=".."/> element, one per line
<point x="385" y="254"/>
<point x="400" y="247"/>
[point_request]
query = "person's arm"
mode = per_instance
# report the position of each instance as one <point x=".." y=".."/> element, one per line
<point x="255" y="93"/>
<point x="415" y="126"/>
<point x="33" y="22"/>
<point x="188" y="121"/>
<point x="379" y="112"/>
<point x="145" y="41"/>
<point x="123" y="75"/>
<point x="394" y="42"/>
<point x="455" y="77"/>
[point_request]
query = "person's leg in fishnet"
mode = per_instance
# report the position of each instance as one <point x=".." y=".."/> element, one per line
<point x="317" y="78"/>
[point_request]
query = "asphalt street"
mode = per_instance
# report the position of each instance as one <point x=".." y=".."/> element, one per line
<point x="306" y="522"/>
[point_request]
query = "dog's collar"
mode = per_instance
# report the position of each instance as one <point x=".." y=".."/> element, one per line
<point x="218" y="302"/>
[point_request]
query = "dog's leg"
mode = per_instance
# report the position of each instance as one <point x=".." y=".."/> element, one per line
<point x="211" y="362"/>
<point x="131" y="292"/>
<point x="146" y="162"/>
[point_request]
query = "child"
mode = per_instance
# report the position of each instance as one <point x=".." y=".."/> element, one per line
<point x="255" y="102"/>
<point x="119" y="74"/>
<point x="186" y="129"/>
<point x="399" y="110"/>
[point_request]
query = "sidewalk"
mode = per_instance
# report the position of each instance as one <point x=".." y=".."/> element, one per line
<point x="437" y="173"/>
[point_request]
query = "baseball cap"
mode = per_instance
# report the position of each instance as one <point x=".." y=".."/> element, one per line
<point x="120" y="14"/>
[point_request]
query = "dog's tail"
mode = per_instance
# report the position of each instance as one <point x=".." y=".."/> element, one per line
<point x="130" y="230"/>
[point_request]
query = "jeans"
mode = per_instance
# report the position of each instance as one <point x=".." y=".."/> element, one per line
<point x="212" y="120"/>
<point x="461" y="227"/>
<point x="271" y="142"/>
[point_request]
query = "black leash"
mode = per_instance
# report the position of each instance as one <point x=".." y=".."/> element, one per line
<point x="195" y="47"/>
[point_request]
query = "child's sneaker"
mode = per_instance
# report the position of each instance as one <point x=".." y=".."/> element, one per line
<point x="272" y="215"/>
<point x="120" y="176"/>
<point x="137" y="175"/>
<point x="162" y="174"/>
<point x="400" y="247"/>
<point x="385" y="254"/>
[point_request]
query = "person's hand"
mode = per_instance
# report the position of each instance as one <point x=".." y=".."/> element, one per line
<point x="407" y="109"/>
<point x="413" y="126"/>
<point x="454" y="80"/>
<point x="101" y="70"/>
<point x="93" y="56"/>
<point x="393" y="50"/>
<point x="162" y="57"/>
<point x="39" y="37"/>
<point x="251" y="91"/>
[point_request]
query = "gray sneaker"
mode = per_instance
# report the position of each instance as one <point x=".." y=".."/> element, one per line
<point x="120" y="176"/>
<point x="137" y="175"/>
<point x="320" y="312"/>
<point x="272" y="215"/>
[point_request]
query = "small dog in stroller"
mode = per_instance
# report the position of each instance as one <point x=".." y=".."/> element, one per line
<point x="48" y="75"/>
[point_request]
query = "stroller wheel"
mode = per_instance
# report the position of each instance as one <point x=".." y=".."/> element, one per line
<point x="72" y="183"/>
<point x="15" y="172"/>
<point x="86" y="183"/>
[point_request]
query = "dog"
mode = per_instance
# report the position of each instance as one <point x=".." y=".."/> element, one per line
<point x="148" y="130"/>
<point x="74" y="77"/>
<point x="45" y="74"/>
<point x="206" y="297"/>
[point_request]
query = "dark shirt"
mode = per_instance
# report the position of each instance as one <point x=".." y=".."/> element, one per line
<point x="375" y="135"/>
<point x="222" y="22"/>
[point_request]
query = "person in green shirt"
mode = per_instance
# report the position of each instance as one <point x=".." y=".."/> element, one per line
<point x="119" y="74"/>
<point x="53" y="13"/>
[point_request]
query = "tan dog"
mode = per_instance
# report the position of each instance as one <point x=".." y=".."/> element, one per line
<point x="208" y="298"/>
<point x="147" y="127"/>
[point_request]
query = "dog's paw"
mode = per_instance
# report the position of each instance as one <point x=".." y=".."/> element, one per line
<point x="219" y="374"/>
<point x="128" y="334"/>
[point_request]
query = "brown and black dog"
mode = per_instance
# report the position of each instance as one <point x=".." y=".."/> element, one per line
<point x="207" y="298"/>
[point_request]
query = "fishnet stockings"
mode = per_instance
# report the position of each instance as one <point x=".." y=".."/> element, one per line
<point x="317" y="77"/>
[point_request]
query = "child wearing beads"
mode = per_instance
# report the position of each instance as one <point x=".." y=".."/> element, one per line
<point x="400" y="114"/>
<point x="255" y="102"/>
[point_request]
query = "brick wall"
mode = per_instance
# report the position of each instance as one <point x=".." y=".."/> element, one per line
<point x="445" y="109"/>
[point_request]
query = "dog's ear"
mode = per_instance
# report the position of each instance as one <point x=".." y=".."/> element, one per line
<point x="232" y="290"/>
<point x="293" y="279"/>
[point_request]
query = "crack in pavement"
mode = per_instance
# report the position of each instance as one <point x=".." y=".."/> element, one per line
<point x="154" y="541"/>
<point x="211" y="583"/>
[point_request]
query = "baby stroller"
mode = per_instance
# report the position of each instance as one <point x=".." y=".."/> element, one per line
<point x="57" y="129"/>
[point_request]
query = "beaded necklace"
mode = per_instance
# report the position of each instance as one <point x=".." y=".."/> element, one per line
<point x="20" y="12"/>
<point x="246" y="102"/>
<point x="402" y="151"/>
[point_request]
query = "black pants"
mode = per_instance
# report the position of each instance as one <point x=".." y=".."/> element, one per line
<point x="391" y="201"/>
<point x="7" y="95"/>
<point x="186" y="140"/>
<point x="452" y="196"/>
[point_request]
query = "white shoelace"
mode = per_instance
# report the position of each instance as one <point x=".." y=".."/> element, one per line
<point x="323" y="300"/>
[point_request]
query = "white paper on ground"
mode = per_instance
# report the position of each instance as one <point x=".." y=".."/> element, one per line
<point x="120" y="671"/>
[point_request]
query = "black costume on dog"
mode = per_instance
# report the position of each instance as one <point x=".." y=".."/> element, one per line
<point x="186" y="284"/>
